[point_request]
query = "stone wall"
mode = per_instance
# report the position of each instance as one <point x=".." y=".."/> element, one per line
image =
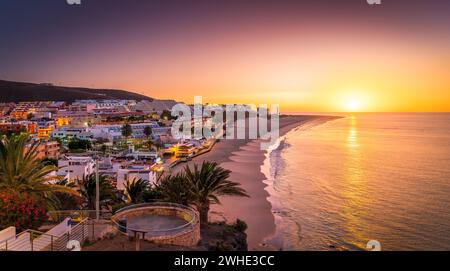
<point x="185" y="236"/>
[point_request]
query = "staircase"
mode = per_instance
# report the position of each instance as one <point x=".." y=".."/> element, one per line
<point x="55" y="239"/>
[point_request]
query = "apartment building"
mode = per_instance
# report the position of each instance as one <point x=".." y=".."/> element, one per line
<point x="114" y="131"/>
<point x="48" y="149"/>
<point x="16" y="128"/>
<point x="68" y="133"/>
<point x="77" y="167"/>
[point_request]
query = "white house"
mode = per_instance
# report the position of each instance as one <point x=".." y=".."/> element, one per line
<point x="133" y="173"/>
<point x="77" y="167"/>
<point x="162" y="131"/>
<point x="112" y="132"/>
<point x="138" y="128"/>
<point x="57" y="175"/>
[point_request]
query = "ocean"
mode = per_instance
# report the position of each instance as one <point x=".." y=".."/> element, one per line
<point x="339" y="184"/>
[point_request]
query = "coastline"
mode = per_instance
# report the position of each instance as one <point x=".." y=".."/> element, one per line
<point x="245" y="159"/>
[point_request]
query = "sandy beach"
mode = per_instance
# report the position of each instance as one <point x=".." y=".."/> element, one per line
<point x="244" y="158"/>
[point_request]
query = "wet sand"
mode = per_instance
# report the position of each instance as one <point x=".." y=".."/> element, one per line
<point x="244" y="158"/>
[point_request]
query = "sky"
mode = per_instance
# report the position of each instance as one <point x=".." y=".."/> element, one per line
<point x="317" y="55"/>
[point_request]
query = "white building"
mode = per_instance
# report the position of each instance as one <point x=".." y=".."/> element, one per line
<point x="57" y="175"/>
<point x="113" y="132"/>
<point x="92" y="105"/>
<point x="142" y="155"/>
<point x="157" y="106"/>
<point x="71" y="132"/>
<point x="77" y="167"/>
<point x="162" y="131"/>
<point x="134" y="173"/>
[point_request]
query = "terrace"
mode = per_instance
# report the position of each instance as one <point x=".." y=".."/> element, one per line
<point x="160" y="223"/>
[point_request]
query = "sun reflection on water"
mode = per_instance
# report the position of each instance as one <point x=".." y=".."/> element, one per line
<point x="354" y="185"/>
<point x="352" y="137"/>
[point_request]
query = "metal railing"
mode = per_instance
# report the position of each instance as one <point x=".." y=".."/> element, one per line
<point x="31" y="240"/>
<point x="80" y="232"/>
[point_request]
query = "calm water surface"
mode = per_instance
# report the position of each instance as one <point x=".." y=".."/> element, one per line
<point x="364" y="177"/>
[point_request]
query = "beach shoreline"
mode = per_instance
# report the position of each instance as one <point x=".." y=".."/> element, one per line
<point x="244" y="158"/>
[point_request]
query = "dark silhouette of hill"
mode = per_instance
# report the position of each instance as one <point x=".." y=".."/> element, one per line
<point x="20" y="92"/>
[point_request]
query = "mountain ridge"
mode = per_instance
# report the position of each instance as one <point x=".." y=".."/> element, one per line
<point x="11" y="91"/>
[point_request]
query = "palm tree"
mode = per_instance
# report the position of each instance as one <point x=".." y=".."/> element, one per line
<point x="136" y="189"/>
<point x="158" y="144"/>
<point x="175" y="188"/>
<point x="21" y="171"/>
<point x="68" y="201"/>
<point x="207" y="184"/>
<point x="148" y="132"/>
<point x="127" y="131"/>
<point x="88" y="191"/>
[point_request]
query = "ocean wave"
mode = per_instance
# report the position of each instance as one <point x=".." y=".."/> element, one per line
<point x="288" y="233"/>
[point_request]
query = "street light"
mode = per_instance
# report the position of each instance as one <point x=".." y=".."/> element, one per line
<point x="97" y="190"/>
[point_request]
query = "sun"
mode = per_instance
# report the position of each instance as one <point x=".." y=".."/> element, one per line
<point x="353" y="105"/>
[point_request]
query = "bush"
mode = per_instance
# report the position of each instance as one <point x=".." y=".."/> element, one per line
<point x="78" y="144"/>
<point x="87" y="243"/>
<point x="167" y="115"/>
<point x="21" y="210"/>
<point x="221" y="246"/>
<point x="240" y="225"/>
<point x="50" y="161"/>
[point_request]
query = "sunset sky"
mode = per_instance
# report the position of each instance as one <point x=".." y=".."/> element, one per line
<point x="318" y="55"/>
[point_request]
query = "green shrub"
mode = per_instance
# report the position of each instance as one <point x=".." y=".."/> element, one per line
<point x="222" y="246"/>
<point x="79" y="144"/>
<point x="240" y="225"/>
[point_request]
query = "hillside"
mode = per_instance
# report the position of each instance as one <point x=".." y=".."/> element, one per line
<point x="18" y="92"/>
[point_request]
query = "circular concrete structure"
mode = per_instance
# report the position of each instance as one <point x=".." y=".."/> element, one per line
<point x="160" y="222"/>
